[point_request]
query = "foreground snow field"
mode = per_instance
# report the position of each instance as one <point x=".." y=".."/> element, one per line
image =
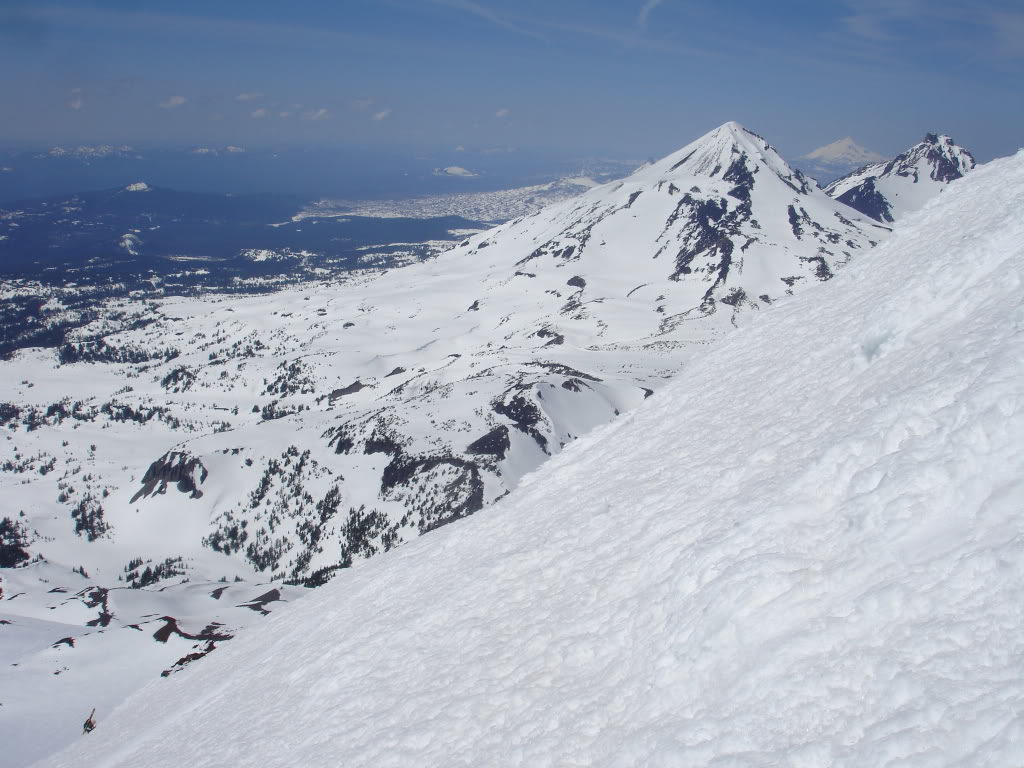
<point x="806" y="551"/>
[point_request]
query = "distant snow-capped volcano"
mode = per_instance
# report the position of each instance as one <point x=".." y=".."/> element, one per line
<point x="838" y="158"/>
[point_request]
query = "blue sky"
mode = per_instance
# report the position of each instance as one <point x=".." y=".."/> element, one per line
<point x="630" y="76"/>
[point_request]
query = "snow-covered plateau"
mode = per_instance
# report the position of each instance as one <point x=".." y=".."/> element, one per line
<point x="807" y="550"/>
<point x="289" y="437"/>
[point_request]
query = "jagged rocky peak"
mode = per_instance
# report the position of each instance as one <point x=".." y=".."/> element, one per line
<point x="890" y="189"/>
<point x="937" y="156"/>
<point x="728" y="153"/>
<point x="948" y="160"/>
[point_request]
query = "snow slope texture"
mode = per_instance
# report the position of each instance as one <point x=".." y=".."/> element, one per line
<point x="807" y="550"/>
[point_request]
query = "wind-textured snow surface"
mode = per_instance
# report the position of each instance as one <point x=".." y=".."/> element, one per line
<point x="808" y="550"/>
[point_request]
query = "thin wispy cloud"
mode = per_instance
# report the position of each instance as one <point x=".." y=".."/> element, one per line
<point x="284" y="115"/>
<point x="76" y="104"/>
<point x="173" y="102"/>
<point x="645" y="12"/>
<point x="362" y="105"/>
<point x="249" y="96"/>
<point x="875" y="20"/>
<point x="316" y="114"/>
<point x="889" y="21"/>
<point x="503" y="112"/>
<point x="259" y="114"/>
<point x="627" y="37"/>
<point x="482" y="12"/>
<point x="384" y="114"/>
<point x="1009" y="32"/>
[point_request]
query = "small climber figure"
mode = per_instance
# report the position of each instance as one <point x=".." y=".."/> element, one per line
<point x="90" y="722"/>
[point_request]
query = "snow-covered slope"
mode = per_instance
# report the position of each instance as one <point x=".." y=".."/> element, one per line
<point x="837" y="159"/>
<point x="68" y="645"/>
<point x="286" y="437"/>
<point x="888" y="190"/>
<point x="809" y="551"/>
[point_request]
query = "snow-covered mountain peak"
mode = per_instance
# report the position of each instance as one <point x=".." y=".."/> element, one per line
<point x="730" y="153"/>
<point x="887" y="190"/>
<point x="937" y="156"/>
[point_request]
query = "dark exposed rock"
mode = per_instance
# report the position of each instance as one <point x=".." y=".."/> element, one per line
<point x="494" y="443"/>
<point x="794" y="222"/>
<point x="351" y="389"/>
<point x="257" y="604"/>
<point x="524" y="414"/>
<point x="97" y="597"/>
<point x="210" y="635"/>
<point x="739" y="174"/>
<point x="710" y="227"/>
<point x="683" y="161"/>
<point x="554" y="338"/>
<point x="736" y="297"/>
<point x="381" y="442"/>
<point x="173" y="467"/>
<point x="868" y="200"/>
<point x="188" y="658"/>
<point x="823" y="271"/>
<point x="563" y="370"/>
